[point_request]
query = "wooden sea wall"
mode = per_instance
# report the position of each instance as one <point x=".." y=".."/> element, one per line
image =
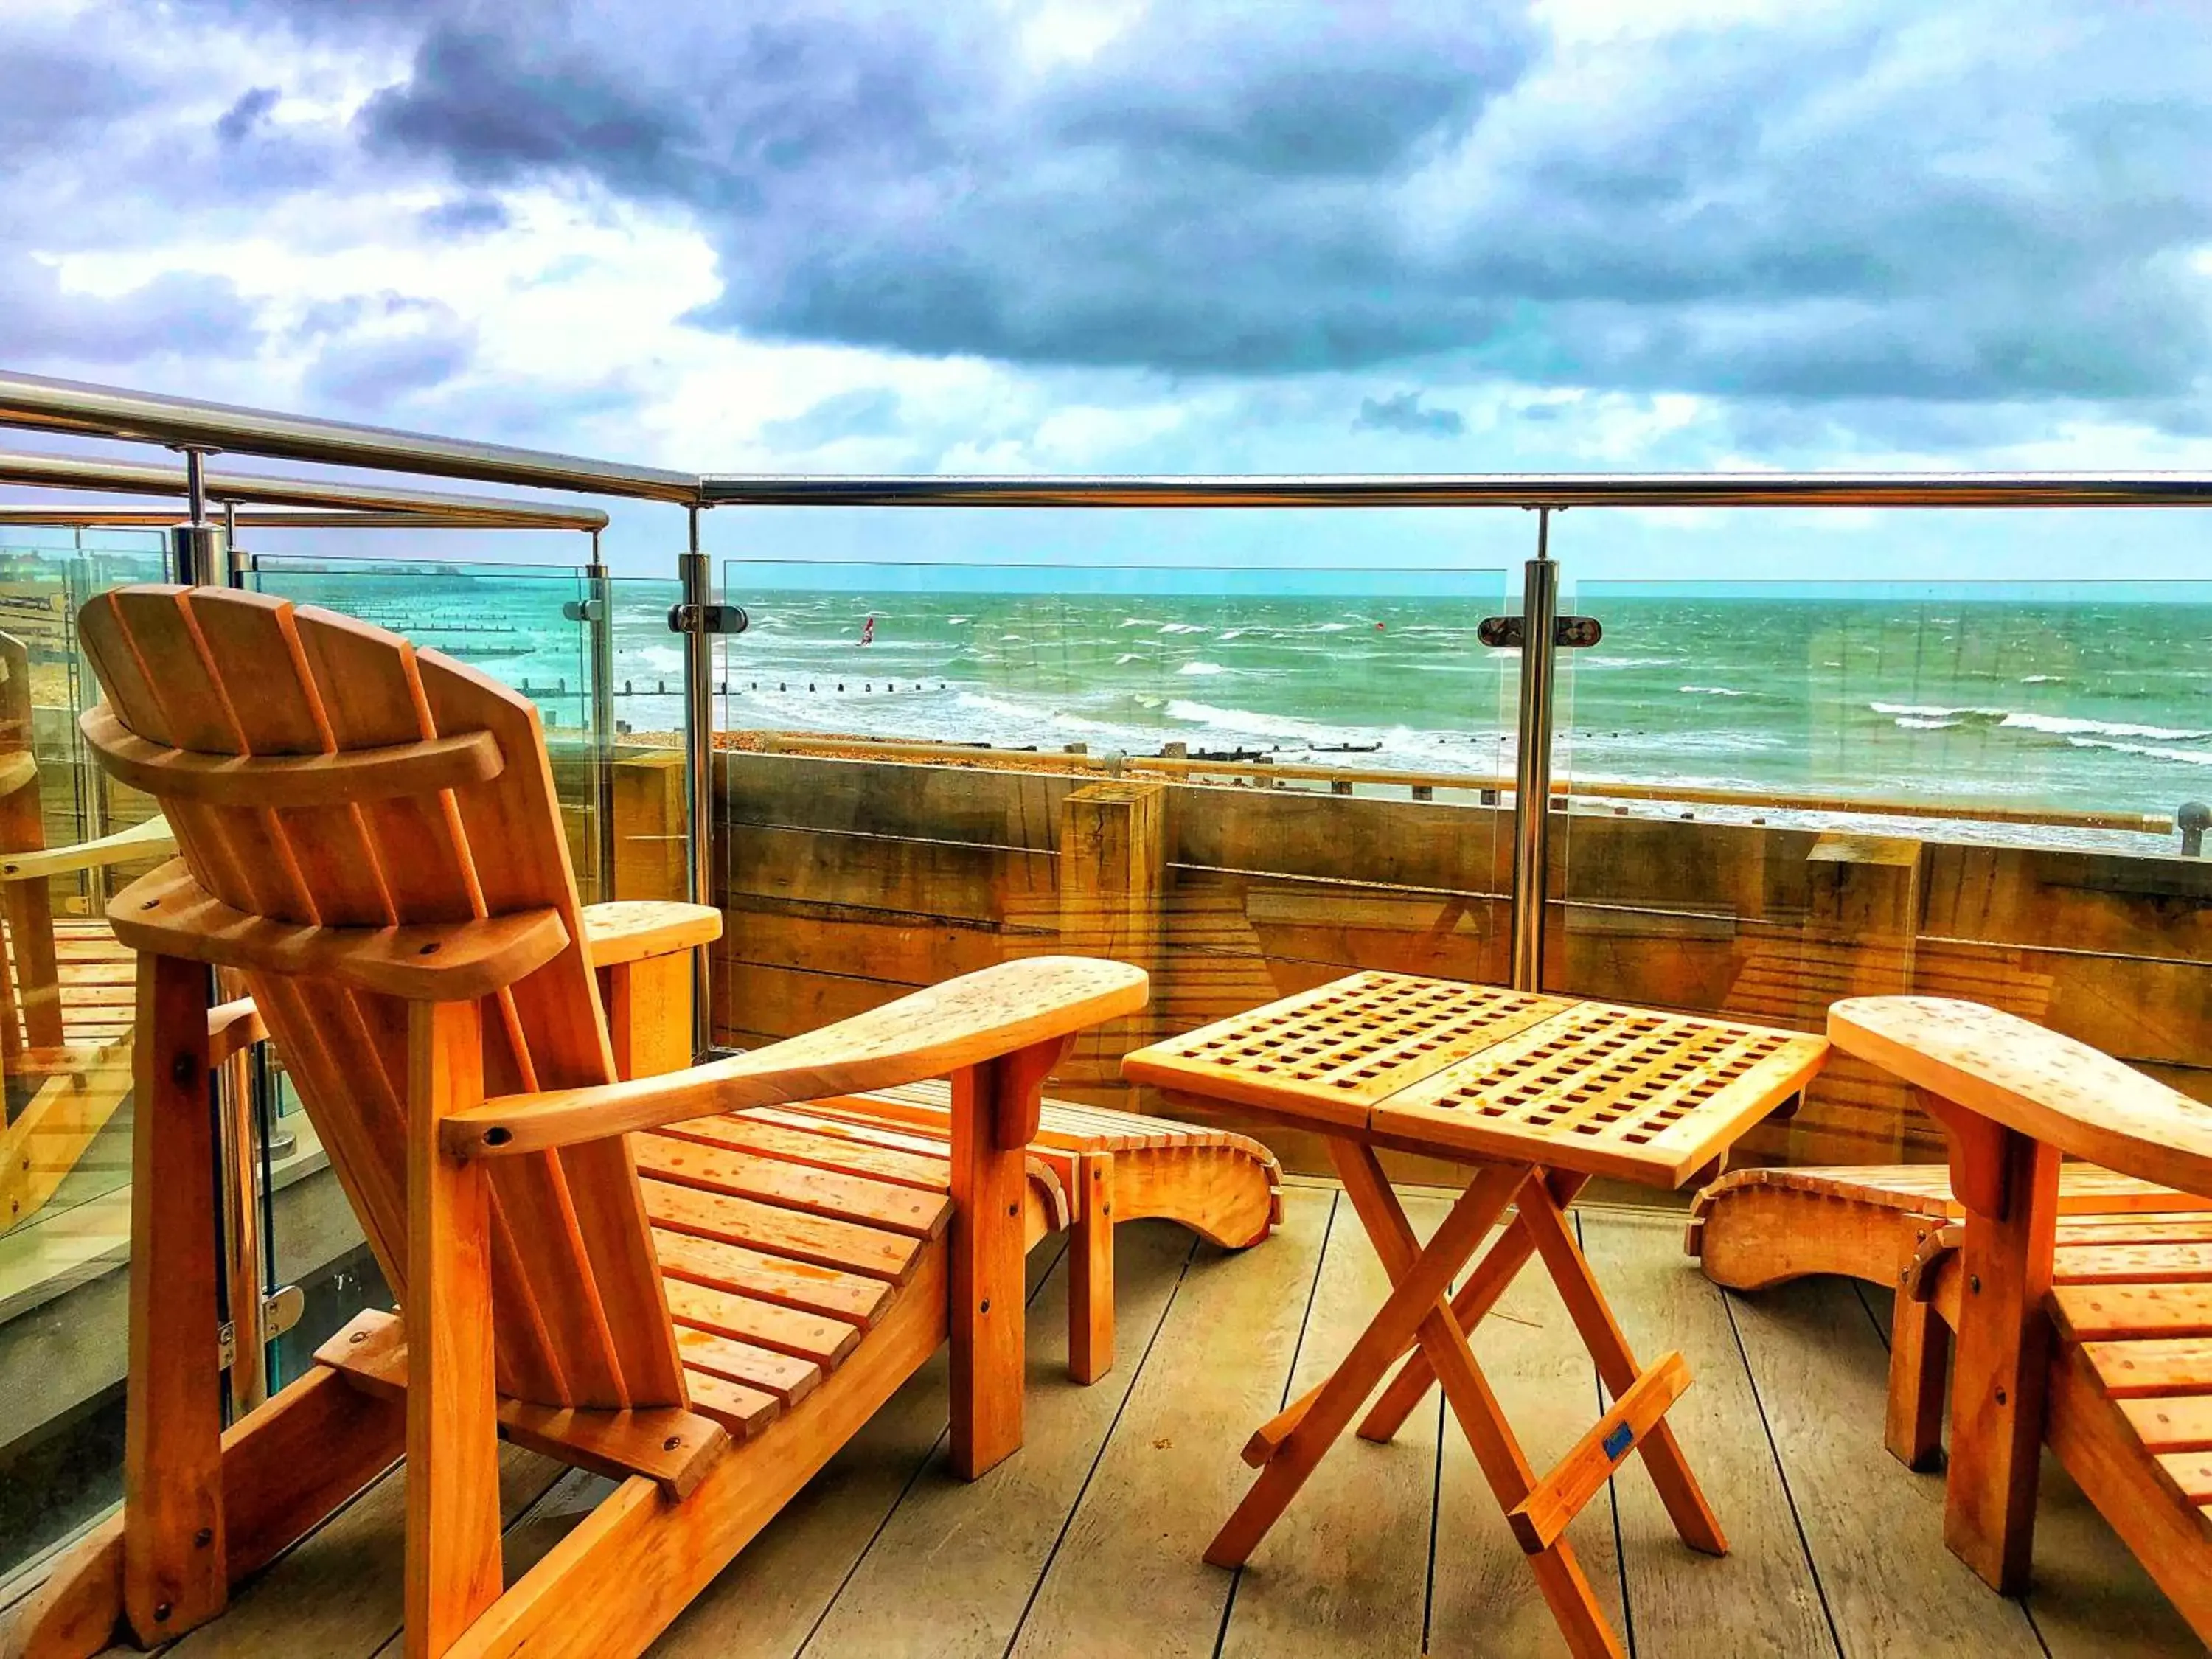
<point x="846" y="882"/>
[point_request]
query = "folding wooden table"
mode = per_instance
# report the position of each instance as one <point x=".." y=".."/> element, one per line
<point x="1539" y="1093"/>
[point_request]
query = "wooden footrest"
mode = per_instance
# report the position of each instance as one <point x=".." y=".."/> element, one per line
<point x="1540" y="1519"/>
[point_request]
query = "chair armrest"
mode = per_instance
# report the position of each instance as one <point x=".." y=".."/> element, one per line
<point x="2036" y="1082"/>
<point x="963" y="1022"/>
<point x="629" y="930"/>
<point x="151" y="839"/>
<point x="232" y="1028"/>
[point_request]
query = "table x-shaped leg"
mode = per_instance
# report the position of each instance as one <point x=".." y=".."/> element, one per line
<point x="1538" y="1510"/>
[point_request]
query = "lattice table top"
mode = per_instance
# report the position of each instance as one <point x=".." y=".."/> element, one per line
<point x="1441" y="1067"/>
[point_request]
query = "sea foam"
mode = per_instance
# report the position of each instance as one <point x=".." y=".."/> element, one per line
<point x="2151" y="751"/>
<point x="2064" y="725"/>
<point x="2056" y="726"/>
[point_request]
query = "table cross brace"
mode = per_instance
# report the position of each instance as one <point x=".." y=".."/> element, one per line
<point x="1292" y="1444"/>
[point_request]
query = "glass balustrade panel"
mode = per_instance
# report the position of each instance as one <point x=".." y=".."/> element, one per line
<point x="1249" y="781"/>
<point x="535" y="629"/>
<point x="1784" y="793"/>
<point x="66" y="996"/>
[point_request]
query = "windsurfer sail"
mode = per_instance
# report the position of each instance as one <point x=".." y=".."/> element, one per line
<point x="868" y="631"/>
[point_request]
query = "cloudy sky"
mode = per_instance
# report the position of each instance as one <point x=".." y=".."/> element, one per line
<point x="1106" y="235"/>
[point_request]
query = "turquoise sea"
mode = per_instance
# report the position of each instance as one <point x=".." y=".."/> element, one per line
<point x="2084" y="697"/>
<point x="2064" y="703"/>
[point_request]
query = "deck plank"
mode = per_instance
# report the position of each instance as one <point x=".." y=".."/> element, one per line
<point x="338" y="1595"/>
<point x="882" y="1554"/>
<point x="1761" y="1597"/>
<point x="1129" y="1576"/>
<point x="1346" y="1570"/>
<point x="1874" y="1528"/>
<point x="953" y="1569"/>
<point x="1484" y="1599"/>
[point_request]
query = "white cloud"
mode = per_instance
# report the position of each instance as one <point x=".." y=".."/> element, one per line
<point x="1607" y="255"/>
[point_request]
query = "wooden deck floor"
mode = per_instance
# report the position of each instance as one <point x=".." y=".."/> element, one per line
<point x="1089" y="1541"/>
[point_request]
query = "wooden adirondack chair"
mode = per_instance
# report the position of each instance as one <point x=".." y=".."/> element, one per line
<point x="2096" y="1347"/>
<point x="370" y="836"/>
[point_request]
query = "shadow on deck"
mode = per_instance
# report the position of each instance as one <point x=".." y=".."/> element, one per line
<point x="1089" y="1541"/>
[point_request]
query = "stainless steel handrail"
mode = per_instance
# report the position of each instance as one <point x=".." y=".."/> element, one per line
<point x="34" y="401"/>
<point x="138" y="479"/>
<point x="30" y="400"/>
<point x="67" y="515"/>
<point x="1531" y="489"/>
<point x="58" y="406"/>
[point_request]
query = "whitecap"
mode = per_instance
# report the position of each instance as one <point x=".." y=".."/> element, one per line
<point x="1128" y="657"/>
<point x="2068" y="726"/>
<point x="2041" y="679"/>
<point x="2154" y="752"/>
<point x="1933" y="712"/>
<point x="1201" y="669"/>
<point x="1028" y="714"/>
<point x="1184" y="628"/>
<point x="1915" y="723"/>
<point x="1245" y="722"/>
<point x="1710" y="692"/>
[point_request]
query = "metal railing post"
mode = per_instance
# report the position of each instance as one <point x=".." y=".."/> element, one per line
<point x="1532" y="797"/>
<point x="698" y="575"/>
<point x="599" y="618"/>
<point x="196" y="546"/>
<point x="237" y="562"/>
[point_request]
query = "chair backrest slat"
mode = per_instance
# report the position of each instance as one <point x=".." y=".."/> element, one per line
<point x="581" y="1319"/>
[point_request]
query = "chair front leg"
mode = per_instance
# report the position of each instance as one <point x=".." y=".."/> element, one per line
<point x="174" y="1550"/>
<point x="995" y="1109"/>
<point x="2009" y="1184"/>
<point x="648" y="1004"/>
<point x="452" y="1428"/>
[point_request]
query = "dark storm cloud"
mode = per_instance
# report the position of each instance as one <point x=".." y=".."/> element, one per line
<point x="1993" y="205"/>
<point x="177" y="313"/>
<point x="498" y="115"/>
<point x="466" y="215"/>
<point x="1402" y="411"/>
<point x="372" y="352"/>
<point x="1908" y="210"/>
<point x="56" y="92"/>
<point x="248" y="112"/>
